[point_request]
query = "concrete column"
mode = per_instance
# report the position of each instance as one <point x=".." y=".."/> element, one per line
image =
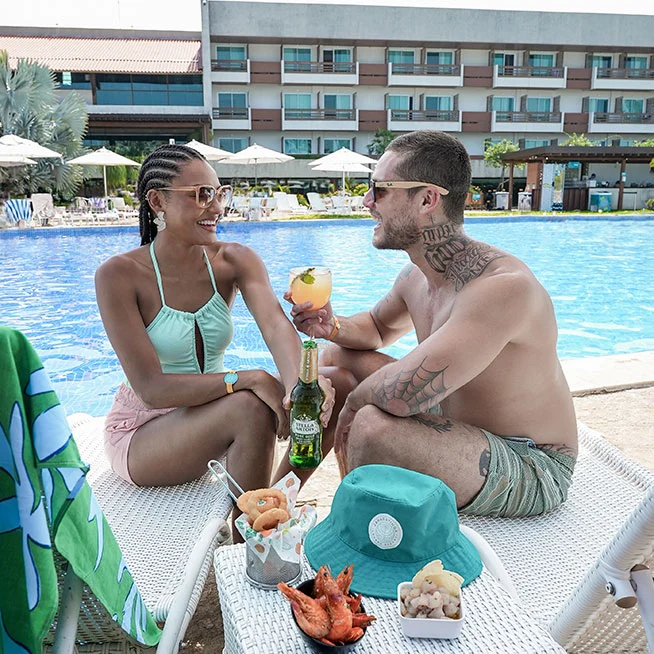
<point x="207" y="91"/>
<point x="623" y="168"/>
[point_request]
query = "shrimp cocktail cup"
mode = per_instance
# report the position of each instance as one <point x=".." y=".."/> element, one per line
<point x="310" y="284"/>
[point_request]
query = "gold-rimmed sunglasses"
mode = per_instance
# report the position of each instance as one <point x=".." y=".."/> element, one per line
<point x="372" y="185"/>
<point x="205" y="194"/>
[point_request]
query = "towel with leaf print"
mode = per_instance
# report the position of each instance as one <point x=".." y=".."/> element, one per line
<point x="45" y="501"/>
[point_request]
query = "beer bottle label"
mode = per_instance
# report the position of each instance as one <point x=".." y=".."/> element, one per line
<point x="304" y="430"/>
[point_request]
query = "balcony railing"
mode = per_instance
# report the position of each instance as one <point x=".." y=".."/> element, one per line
<point x="230" y="113"/>
<point x="625" y="73"/>
<point x="319" y="114"/>
<point x="608" y="118"/>
<point x="528" y="117"/>
<point x="319" y="67"/>
<point x="531" y="71"/>
<point x="425" y="69"/>
<point x="429" y="114"/>
<point x="230" y="65"/>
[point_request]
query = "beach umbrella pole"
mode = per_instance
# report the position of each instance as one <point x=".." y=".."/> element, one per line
<point x="104" y="176"/>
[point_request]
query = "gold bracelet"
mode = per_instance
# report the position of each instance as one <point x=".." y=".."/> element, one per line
<point x="337" y="326"/>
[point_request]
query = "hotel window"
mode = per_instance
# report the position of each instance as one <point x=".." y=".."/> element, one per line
<point x="539" y="105"/>
<point x="157" y="90"/>
<point x="503" y="59"/>
<point x="626" y="143"/>
<point x="502" y="104"/>
<point x="113" y="89"/>
<point x="232" y="105"/>
<point x="297" y="106"/>
<point x="185" y="90"/>
<point x="631" y="106"/>
<point x="541" y="60"/>
<point x="401" y="56"/>
<point x="297" y="60"/>
<point x="601" y="61"/>
<point x="68" y="80"/>
<point x="438" y="103"/>
<point x="600" y="105"/>
<point x="635" y="62"/>
<point x="337" y="56"/>
<point x="297" y="146"/>
<point x="231" y="57"/>
<point x="150" y="89"/>
<point x="338" y="106"/>
<point x="399" y="102"/>
<point x="331" y="145"/>
<point x="536" y="143"/>
<point x="233" y="145"/>
<point x="442" y="58"/>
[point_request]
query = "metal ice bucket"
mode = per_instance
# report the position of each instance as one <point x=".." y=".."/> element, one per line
<point x="272" y="570"/>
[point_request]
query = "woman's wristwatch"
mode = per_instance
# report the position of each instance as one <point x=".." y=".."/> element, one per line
<point x="230" y="378"/>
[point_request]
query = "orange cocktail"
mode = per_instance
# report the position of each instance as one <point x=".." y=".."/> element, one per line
<point x="310" y="284"/>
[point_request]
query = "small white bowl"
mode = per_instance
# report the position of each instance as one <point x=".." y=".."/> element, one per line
<point x="429" y="627"/>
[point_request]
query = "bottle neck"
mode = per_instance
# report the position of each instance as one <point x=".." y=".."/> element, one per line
<point x="309" y="365"/>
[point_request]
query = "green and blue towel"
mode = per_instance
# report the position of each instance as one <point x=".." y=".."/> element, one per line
<point x="46" y="502"/>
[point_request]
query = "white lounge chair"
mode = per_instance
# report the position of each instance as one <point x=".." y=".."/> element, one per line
<point x="559" y="563"/>
<point x="42" y="208"/>
<point x="125" y="212"/>
<point x="167" y="536"/>
<point x="287" y="204"/>
<point x="317" y="203"/>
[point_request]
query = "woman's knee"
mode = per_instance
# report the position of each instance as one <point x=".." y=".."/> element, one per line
<point x="250" y="414"/>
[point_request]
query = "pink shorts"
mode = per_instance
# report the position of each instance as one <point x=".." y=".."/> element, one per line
<point x="127" y="414"/>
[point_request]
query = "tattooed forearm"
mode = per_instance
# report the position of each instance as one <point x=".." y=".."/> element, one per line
<point x="408" y="392"/>
<point x="484" y="463"/>
<point x="437" y="423"/>
<point x="456" y="256"/>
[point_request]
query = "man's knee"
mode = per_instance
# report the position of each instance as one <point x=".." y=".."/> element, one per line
<point x="333" y="355"/>
<point x="343" y="381"/>
<point x="363" y="438"/>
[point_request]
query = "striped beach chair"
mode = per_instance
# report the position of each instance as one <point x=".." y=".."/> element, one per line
<point x="18" y="209"/>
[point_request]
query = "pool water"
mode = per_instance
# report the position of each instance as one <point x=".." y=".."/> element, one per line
<point x="599" y="274"/>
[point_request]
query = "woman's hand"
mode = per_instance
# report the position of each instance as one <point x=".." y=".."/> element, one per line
<point x="328" y="403"/>
<point x="304" y="318"/>
<point x="271" y="392"/>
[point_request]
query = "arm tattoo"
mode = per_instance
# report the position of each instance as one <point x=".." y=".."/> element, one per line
<point x="418" y="389"/>
<point x="437" y="423"/>
<point x="484" y="463"/>
<point x="456" y="256"/>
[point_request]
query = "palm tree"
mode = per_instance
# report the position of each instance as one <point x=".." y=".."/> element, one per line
<point x="29" y="108"/>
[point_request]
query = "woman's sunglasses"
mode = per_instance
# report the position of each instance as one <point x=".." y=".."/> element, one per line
<point x="373" y="185"/>
<point x="205" y="194"/>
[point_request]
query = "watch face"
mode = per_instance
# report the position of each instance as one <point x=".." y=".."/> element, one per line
<point x="231" y="378"/>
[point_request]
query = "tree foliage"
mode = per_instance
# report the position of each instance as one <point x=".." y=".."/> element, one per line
<point x="578" y="140"/>
<point x="380" y="141"/>
<point x="493" y="156"/>
<point x="30" y="108"/>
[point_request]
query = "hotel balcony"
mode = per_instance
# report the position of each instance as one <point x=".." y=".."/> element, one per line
<point x="529" y="77"/>
<point x="230" y="71"/>
<point x="231" y="118"/>
<point x="431" y="75"/>
<point x="409" y="120"/>
<point x="337" y="120"/>
<point x="624" y="123"/>
<point x="527" y="121"/>
<point x="320" y="72"/>
<point x="623" y="79"/>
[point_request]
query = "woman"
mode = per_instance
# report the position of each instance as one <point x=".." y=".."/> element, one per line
<point x="166" y="310"/>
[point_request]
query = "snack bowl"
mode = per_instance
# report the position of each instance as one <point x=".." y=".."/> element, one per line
<point x="430" y="627"/>
<point x="307" y="588"/>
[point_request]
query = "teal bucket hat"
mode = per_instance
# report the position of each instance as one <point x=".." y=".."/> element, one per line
<point x="390" y="522"/>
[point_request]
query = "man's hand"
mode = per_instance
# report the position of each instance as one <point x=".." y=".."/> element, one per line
<point x="305" y="318"/>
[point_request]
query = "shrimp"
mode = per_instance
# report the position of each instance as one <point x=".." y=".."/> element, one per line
<point x="344" y="579"/>
<point x="310" y="616"/>
<point x="340" y="617"/>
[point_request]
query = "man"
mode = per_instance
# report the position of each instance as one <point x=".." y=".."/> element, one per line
<point x="481" y="402"/>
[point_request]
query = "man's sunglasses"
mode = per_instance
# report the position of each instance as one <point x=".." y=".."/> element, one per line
<point x="372" y="185"/>
<point x="205" y="194"/>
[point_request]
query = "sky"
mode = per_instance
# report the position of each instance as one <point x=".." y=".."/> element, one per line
<point x="184" y="15"/>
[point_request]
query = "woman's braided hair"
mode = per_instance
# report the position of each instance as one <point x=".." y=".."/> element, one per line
<point x="158" y="170"/>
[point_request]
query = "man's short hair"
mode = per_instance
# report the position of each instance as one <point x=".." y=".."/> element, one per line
<point x="438" y="158"/>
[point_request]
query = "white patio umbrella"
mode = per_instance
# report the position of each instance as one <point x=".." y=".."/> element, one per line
<point x="343" y="156"/>
<point x="342" y="168"/>
<point x="17" y="145"/>
<point x="104" y="158"/>
<point x="210" y="153"/>
<point x="254" y="155"/>
<point x="13" y="160"/>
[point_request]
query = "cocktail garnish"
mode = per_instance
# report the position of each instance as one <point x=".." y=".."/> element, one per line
<point x="306" y="277"/>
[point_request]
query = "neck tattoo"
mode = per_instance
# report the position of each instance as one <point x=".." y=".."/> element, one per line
<point x="456" y="256"/>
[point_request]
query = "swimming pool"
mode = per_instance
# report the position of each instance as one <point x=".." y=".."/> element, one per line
<point x="599" y="274"/>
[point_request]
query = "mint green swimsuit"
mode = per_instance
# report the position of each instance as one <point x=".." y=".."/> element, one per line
<point x="173" y="332"/>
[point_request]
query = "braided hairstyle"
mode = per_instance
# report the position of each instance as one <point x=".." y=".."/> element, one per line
<point x="159" y="169"/>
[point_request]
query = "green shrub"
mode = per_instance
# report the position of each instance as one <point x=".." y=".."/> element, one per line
<point x="360" y="189"/>
<point x="128" y="199"/>
<point x="650" y="204"/>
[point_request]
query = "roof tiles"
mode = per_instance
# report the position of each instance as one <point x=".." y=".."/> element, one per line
<point x="106" y="55"/>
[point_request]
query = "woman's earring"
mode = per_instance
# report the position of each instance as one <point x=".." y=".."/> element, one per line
<point x="160" y="221"/>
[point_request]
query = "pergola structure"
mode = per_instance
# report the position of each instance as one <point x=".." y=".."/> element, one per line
<point x="593" y="154"/>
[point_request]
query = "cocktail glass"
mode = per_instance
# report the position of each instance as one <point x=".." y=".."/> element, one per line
<point x="310" y="284"/>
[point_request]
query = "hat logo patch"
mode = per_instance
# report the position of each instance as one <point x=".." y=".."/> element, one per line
<point x="385" y="531"/>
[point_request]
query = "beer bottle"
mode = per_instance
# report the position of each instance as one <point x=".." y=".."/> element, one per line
<point x="306" y="399"/>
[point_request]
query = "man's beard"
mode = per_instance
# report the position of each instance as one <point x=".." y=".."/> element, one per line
<point x="397" y="236"/>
